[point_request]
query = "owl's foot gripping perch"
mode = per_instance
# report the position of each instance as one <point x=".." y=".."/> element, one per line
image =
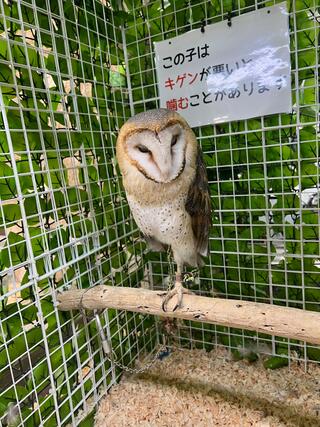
<point x="178" y="290"/>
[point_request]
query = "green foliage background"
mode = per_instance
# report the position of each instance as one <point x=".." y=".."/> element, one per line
<point x="60" y="230"/>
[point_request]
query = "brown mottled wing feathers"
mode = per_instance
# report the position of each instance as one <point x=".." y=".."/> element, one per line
<point x="198" y="205"/>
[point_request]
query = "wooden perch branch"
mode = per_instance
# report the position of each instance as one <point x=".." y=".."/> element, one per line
<point x="269" y="319"/>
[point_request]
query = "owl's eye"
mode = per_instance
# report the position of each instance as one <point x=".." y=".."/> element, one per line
<point x="143" y="149"/>
<point x="174" y="140"/>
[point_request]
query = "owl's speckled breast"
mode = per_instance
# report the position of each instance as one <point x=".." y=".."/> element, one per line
<point x="167" y="223"/>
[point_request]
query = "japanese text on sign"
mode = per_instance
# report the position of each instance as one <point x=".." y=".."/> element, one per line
<point x="228" y="73"/>
<point x="188" y="55"/>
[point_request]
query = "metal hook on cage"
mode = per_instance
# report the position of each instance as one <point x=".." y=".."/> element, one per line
<point x="203" y="25"/>
<point x="229" y="16"/>
<point x="104" y="341"/>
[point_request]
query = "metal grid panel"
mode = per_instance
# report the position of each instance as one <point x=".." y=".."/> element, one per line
<point x="264" y="179"/>
<point x="63" y="218"/>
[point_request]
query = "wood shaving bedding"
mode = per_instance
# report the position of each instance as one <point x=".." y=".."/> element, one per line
<point x="196" y="388"/>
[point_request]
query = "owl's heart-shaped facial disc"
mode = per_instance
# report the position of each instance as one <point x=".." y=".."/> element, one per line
<point x="158" y="156"/>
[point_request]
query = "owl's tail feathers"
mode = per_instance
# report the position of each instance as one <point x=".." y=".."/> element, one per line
<point x="201" y="262"/>
<point x="202" y="246"/>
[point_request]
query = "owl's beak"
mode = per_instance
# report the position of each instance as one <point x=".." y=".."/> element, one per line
<point x="166" y="171"/>
<point x="164" y="165"/>
<point x="165" y="174"/>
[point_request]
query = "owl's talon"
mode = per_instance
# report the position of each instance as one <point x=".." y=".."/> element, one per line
<point x="178" y="290"/>
<point x="177" y="306"/>
<point x="167" y="297"/>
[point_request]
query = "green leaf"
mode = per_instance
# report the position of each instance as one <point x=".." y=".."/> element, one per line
<point x="39" y="374"/>
<point x="309" y="175"/>
<point x="24" y="172"/>
<point x="15" y="251"/>
<point x="58" y="175"/>
<point x="118" y="77"/>
<point x="313" y="353"/>
<point x="11" y="213"/>
<point x="6" y="75"/>
<point x="276" y="362"/>
<point x="57" y="356"/>
<point x="88" y="421"/>
<point x="4" y="47"/>
<point x="37" y="241"/>
<point x="10" y="395"/>
<point x="8" y="188"/>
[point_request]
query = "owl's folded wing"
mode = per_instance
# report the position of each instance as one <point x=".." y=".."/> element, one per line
<point x="198" y="205"/>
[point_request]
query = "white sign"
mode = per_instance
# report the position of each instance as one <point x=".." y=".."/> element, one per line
<point x="228" y="72"/>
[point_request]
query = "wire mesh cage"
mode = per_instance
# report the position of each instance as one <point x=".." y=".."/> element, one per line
<point x="71" y="73"/>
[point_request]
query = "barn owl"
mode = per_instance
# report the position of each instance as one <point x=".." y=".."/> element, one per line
<point x="166" y="184"/>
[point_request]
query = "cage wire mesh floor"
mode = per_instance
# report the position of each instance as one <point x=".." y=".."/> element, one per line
<point x="71" y="73"/>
